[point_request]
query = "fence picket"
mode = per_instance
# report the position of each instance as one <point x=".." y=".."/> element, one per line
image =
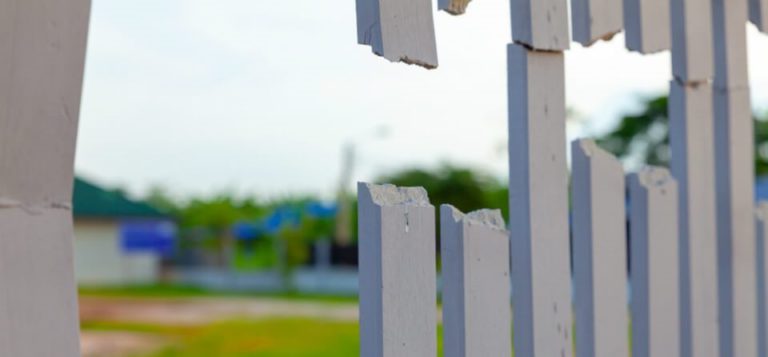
<point x="758" y="14"/>
<point x="397" y="272"/>
<point x="594" y="20"/>
<point x="541" y="24"/>
<point x="398" y="30"/>
<point x="599" y="252"/>
<point x="692" y="162"/>
<point x="477" y="316"/>
<point x="654" y="264"/>
<point x="538" y="199"/>
<point x="762" y="277"/>
<point x="646" y="24"/>
<point x="42" y="46"/>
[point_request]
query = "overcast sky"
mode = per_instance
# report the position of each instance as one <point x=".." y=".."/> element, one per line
<point x="260" y="96"/>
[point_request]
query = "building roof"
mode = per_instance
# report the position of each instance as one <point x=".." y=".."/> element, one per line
<point x="92" y="201"/>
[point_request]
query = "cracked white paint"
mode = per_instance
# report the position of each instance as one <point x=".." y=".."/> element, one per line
<point x="398" y="30"/>
<point x="397" y="274"/>
<point x="42" y="46"/>
<point x="538" y="201"/>
<point x="477" y="316"/>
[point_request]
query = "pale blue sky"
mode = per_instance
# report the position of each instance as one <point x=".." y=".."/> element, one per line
<point x="260" y="96"/>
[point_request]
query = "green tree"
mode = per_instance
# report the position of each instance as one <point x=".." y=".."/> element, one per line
<point x="462" y="187"/>
<point x="643" y="137"/>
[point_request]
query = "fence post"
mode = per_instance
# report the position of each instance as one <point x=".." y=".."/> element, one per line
<point x="691" y="141"/>
<point x="646" y="24"/>
<point x="398" y="30"/>
<point x="397" y="272"/>
<point x="599" y="252"/>
<point x="654" y="264"/>
<point x="477" y="316"/>
<point x="762" y="278"/>
<point x="734" y="167"/>
<point x="42" y="46"/>
<point x="538" y="199"/>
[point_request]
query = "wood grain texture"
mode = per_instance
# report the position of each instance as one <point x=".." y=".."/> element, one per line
<point x="538" y="199"/>
<point x="734" y="176"/>
<point x="541" y="24"/>
<point x="599" y="252"/>
<point x="595" y="20"/>
<point x="477" y="315"/>
<point x="398" y="30"/>
<point x="42" y="46"/>
<point x="654" y="264"/>
<point x="398" y="292"/>
<point x="647" y="25"/>
<point x="692" y="161"/>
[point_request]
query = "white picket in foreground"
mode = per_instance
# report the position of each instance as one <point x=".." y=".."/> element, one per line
<point x="398" y="293"/>
<point x="398" y="30"/>
<point x="538" y="201"/>
<point x="599" y="252"/>
<point x="42" y="56"/>
<point x="654" y="264"/>
<point x="477" y="319"/>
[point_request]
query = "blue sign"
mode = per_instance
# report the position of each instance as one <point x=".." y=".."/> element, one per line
<point x="148" y="236"/>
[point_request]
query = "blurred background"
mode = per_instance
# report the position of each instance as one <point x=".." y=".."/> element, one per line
<point x="220" y="143"/>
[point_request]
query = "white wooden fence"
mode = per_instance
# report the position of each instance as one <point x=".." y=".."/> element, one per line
<point x="698" y="249"/>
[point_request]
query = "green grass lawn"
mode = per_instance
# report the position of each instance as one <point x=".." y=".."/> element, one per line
<point x="279" y="337"/>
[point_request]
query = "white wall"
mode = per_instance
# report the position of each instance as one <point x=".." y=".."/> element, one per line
<point x="100" y="261"/>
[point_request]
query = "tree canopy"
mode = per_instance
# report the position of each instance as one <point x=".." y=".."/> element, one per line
<point x="643" y="137"/>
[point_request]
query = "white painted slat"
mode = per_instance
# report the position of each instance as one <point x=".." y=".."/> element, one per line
<point x="730" y="43"/>
<point x="647" y="24"/>
<point x="734" y="172"/>
<point x="397" y="272"/>
<point x="595" y="20"/>
<point x="693" y="166"/>
<point x="599" y="252"/>
<point x="692" y="57"/>
<point x="541" y="24"/>
<point x="762" y="277"/>
<point x="398" y="30"/>
<point x="453" y="7"/>
<point x="758" y="14"/>
<point x="538" y="199"/>
<point x="477" y="316"/>
<point x="42" y="51"/>
<point x="654" y="264"/>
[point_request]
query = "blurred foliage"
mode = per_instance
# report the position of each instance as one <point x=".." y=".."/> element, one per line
<point x="465" y="188"/>
<point x="643" y="137"/>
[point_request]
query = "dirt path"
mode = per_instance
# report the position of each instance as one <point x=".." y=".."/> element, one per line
<point x="193" y="311"/>
<point x="186" y="311"/>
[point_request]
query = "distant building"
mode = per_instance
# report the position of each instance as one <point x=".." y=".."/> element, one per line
<point x="118" y="241"/>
